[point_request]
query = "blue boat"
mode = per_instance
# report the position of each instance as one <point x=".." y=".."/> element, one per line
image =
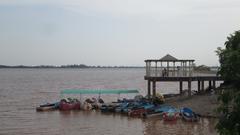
<point x="188" y="115"/>
<point x="159" y="110"/>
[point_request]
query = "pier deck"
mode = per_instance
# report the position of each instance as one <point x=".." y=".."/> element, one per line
<point x="200" y="79"/>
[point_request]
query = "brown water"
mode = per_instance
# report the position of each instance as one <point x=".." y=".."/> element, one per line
<point x="21" y="90"/>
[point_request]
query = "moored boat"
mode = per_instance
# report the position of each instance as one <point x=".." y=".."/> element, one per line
<point x="140" y="109"/>
<point x="170" y="115"/>
<point x="66" y="105"/>
<point x="157" y="110"/>
<point x="48" y="107"/>
<point x="188" y="115"/>
<point x="109" y="107"/>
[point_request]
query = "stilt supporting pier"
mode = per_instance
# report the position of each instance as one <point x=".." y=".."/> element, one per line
<point x="181" y="86"/>
<point x="198" y="86"/>
<point x="149" y="89"/>
<point x="214" y="84"/>
<point x="202" y="86"/>
<point x="189" y="87"/>
<point x="154" y="89"/>
<point x="209" y="85"/>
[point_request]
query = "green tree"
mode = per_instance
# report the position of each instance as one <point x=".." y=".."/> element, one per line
<point x="229" y="58"/>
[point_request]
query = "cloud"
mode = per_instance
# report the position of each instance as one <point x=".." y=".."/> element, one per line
<point x="155" y="8"/>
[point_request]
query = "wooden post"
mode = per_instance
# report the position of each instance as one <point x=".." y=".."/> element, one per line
<point x="167" y="69"/>
<point x="180" y="86"/>
<point x="149" y="89"/>
<point x="214" y="84"/>
<point x="154" y="88"/>
<point x="209" y="85"/>
<point x="202" y="83"/>
<point x="189" y="87"/>
<point x="147" y="69"/>
<point x="199" y="86"/>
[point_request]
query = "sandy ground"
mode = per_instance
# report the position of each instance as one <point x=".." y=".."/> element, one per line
<point x="203" y="104"/>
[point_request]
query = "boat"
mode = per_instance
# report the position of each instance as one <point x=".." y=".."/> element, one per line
<point x="188" y="115"/>
<point x="87" y="106"/>
<point x="121" y="107"/>
<point x="157" y="110"/>
<point x="69" y="104"/>
<point x="170" y="115"/>
<point x="100" y="104"/>
<point x="140" y="109"/>
<point x="137" y="112"/>
<point x="48" y="107"/>
<point x="109" y="107"/>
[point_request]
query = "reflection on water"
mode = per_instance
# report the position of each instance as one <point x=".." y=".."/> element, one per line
<point x="21" y="90"/>
<point x="180" y="127"/>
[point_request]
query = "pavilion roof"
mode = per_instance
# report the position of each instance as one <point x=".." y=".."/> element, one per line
<point x="168" y="58"/>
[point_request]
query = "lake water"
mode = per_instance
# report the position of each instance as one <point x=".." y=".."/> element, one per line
<point x="21" y="90"/>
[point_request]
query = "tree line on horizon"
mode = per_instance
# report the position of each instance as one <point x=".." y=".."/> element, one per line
<point x="67" y="66"/>
<point x="196" y="68"/>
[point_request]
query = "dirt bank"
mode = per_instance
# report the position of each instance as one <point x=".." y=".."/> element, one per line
<point x="204" y="104"/>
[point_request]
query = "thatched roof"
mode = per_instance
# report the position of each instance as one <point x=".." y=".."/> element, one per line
<point x="168" y="57"/>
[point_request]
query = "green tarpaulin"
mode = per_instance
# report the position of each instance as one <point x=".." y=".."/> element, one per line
<point x="98" y="91"/>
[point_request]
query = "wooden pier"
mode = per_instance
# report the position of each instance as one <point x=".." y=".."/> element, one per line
<point x="169" y="69"/>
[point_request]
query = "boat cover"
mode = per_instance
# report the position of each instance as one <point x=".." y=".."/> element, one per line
<point x="99" y="91"/>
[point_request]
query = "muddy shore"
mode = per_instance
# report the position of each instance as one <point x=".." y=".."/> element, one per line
<point x="203" y="104"/>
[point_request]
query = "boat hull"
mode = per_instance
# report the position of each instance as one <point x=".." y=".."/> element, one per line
<point x="188" y="115"/>
<point x="64" y="106"/>
<point x="45" y="108"/>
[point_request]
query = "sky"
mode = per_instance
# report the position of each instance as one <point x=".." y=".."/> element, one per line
<point x="114" y="32"/>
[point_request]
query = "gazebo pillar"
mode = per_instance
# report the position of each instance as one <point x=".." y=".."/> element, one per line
<point x="174" y="68"/>
<point x="156" y="68"/>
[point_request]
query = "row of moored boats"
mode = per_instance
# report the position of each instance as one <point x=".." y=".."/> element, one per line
<point x="137" y="107"/>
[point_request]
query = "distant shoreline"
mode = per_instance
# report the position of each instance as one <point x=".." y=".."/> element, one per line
<point x="81" y="66"/>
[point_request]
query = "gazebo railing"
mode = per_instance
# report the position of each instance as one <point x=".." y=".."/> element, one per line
<point x="160" y="72"/>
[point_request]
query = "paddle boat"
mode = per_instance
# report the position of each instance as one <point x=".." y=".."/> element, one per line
<point x="69" y="104"/>
<point x="100" y="104"/>
<point x="188" y="115"/>
<point x="87" y="106"/>
<point x="170" y="115"/>
<point x="140" y="109"/>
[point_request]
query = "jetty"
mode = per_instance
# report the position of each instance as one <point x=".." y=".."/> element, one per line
<point x="169" y="68"/>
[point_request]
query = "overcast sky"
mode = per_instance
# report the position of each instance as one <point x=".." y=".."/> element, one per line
<point x="114" y="32"/>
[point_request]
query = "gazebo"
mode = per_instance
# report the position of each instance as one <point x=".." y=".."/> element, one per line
<point x="169" y="66"/>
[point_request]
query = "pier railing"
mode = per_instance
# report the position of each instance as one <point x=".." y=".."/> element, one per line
<point x="171" y="72"/>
